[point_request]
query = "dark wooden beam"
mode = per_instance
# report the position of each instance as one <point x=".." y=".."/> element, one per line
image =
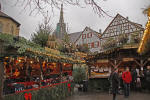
<point x="1" y="80"/>
<point x="142" y="62"/>
<point x="115" y="65"/>
<point x="1" y="70"/>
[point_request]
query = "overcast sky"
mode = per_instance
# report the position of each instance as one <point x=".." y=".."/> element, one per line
<point x="78" y="18"/>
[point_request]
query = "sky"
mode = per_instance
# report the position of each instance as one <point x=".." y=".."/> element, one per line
<point x="78" y="18"/>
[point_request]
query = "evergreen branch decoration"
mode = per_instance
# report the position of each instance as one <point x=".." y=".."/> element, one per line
<point x="28" y="48"/>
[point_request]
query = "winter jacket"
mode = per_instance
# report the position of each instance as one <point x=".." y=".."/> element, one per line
<point x="126" y="76"/>
<point x="148" y="75"/>
<point x="115" y="82"/>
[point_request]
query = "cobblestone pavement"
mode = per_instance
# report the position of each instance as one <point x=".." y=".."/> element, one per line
<point x="106" y="96"/>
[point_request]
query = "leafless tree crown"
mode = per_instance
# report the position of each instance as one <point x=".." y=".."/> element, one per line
<point x="39" y="6"/>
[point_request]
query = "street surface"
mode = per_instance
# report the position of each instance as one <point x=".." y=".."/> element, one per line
<point x="106" y="96"/>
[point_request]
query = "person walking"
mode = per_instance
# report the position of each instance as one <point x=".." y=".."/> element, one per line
<point x="134" y="78"/>
<point x="147" y="78"/>
<point x="115" y="82"/>
<point x="127" y="78"/>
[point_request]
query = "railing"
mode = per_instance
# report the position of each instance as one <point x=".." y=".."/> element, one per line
<point x="56" y="91"/>
<point x="17" y="87"/>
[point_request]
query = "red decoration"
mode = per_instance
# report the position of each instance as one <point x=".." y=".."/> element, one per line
<point x="28" y="96"/>
<point x="69" y="87"/>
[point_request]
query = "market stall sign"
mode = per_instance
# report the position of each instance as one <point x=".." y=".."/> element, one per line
<point x="102" y="61"/>
<point x="128" y="59"/>
<point x="52" y="51"/>
<point x="130" y="46"/>
<point x="80" y="54"/>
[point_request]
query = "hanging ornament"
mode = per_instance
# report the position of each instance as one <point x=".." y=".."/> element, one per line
<point x="46" y="59"/>
<point x="35" y="57"/>
<point x="25" y="58"/>
<point x="10" y="60"/>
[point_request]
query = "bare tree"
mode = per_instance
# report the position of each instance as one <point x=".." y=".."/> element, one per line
<point x="39" y="6"/>
<point x="146" y="9"/>
<point x="44" y="30"/>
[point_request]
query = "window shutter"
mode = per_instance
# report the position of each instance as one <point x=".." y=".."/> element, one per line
<point x="92" y="45"/>
<point x="83" y="36"/>
<point x="98" y="43"/>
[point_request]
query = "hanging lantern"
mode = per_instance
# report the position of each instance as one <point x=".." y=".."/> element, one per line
<point x="37" y="59"/>
<point x="46" y="59"/>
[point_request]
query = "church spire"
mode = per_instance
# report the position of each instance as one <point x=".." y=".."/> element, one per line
<point x="61" y="20"/>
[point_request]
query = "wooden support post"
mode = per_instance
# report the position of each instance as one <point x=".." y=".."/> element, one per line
<point x="61" y="69"/>
<point x="41" y="72"/>
<point x="115" y="64"/>
<point x="89" y="69"/>
<point x="1" y="70"/>
<point x="1" y="80"/>
<point x="141" y="63"/>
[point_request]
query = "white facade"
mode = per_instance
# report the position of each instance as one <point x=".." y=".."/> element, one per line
<point x="91" y="38"/>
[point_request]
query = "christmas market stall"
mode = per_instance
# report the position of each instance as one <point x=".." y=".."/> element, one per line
<point x="119" y="43"/>
<point x="102" y="64"/>
<point x="33" y="72"/>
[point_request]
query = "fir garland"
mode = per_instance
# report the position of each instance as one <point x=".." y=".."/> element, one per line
<point x="27" y="48"/>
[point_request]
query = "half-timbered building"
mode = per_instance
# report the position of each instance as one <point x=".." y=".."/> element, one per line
<point x="120" y="31"/>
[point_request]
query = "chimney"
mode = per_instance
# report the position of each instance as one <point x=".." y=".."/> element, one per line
<point x="100" y="31"/>
<point x="127" y="17"/>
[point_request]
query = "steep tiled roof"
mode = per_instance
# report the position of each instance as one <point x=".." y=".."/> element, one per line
<point x="74" y="36"/>
<point x="6" y="16"/>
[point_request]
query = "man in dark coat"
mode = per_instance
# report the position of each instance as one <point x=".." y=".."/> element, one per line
<point x="134" y="78"/>
<point x="147" y="78"/>
<point x="115" y="83"/>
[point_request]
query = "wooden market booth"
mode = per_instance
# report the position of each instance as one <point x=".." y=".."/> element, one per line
<point x="29" y="66"/>
<point x="101" y="64"/>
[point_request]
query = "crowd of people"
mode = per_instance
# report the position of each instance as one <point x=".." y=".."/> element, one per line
<point x="135" y="79"/>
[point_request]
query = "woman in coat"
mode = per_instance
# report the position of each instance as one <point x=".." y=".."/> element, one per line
<point x="115" y="83"/>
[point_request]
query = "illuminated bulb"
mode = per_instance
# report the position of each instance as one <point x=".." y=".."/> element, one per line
<point x="31" y="62"/>
<point x="19" y="60"/>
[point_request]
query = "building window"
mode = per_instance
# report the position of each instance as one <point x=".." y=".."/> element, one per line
<point x="83" y="36"/>
<point x="1" y="27"/>
<point x="12" y="29"/>
<point x="89" y="35"/>
<point x="96" y="44"/>
<point x="89" y="45"/>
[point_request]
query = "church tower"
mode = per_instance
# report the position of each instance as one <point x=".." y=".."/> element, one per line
<point x="61" y="26"/>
